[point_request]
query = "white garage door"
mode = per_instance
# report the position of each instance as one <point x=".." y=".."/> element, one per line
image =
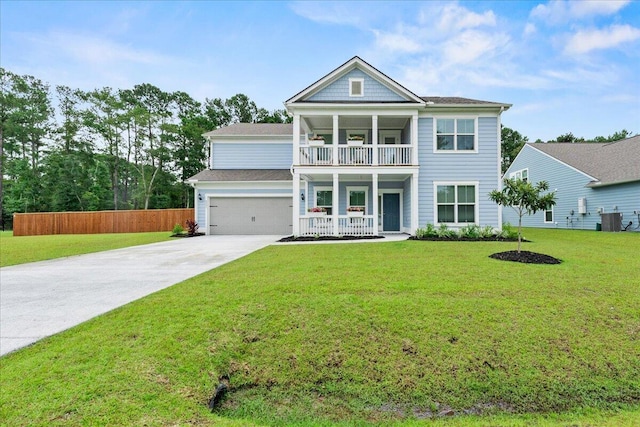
<point x="250" y="215"/>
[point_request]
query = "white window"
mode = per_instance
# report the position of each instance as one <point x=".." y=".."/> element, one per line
<point x="456" y="135"/>
<point x="548" y="215"/>
<point x="522" y="174"/>
<point x="356" y="87"/>
<point x="357" y="197"/>
<point x="456" y="203"/>
<point x="324" y="198"/>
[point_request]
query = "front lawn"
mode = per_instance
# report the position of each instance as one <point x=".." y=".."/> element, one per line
<point x="19" y="250"/>
<point x="358" y="334"/>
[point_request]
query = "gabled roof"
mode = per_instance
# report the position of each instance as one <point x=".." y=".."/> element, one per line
<point x="242" y="175"/>
<point x="355" y="62"/>
<point x="253" y="129"/>
<point x="610" y="163"/>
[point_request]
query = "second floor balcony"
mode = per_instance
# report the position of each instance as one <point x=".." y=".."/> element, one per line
<point x="365" y="155"/>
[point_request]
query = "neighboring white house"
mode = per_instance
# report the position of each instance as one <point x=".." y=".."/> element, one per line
<point x="596" y="184"/>
<point x="367" y="152"/>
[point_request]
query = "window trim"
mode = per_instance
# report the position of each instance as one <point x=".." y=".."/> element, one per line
<point x="315" y="197"/>
<point x="353" y="80"/>
<point x="544" y="216"/>
<point x="476" y="207"/>
<point x="364" y="188"/>
<point x="455" y="134"/>
<point x="514" y="174"/>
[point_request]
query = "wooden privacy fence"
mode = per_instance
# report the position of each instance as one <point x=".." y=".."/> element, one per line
<point x="134" y="221"/>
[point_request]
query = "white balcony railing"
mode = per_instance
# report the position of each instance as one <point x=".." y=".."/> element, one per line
<point x="396" y="155"/>
<point x="347" y="226"/>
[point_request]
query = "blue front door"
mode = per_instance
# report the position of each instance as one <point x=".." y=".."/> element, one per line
<point x="391" y="212"/>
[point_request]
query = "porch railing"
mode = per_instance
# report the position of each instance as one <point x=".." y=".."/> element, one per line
<point x="397" y="155"/>
<point x="347" y="225"/>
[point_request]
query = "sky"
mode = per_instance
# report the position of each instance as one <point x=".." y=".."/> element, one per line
<point x="566" y="66"/>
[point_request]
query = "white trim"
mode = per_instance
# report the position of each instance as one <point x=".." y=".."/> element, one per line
<point x="399" y="191"/>
<point x="353" y="80"/>
<point x="455" y="134"/>
<point x="315" y="196"/>
<point x="345" y="68"/>
<point x="364" y="188"/>
<point x="476" y="209"/>
<point x="521" y="172"/>
<point x="544" y="216"/>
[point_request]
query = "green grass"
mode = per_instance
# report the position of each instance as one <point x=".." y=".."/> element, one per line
<point x="22" y="249"/>
<point x="358" y="334"/>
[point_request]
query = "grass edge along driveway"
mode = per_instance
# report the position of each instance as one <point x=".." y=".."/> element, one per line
<point x="356" y="335"/>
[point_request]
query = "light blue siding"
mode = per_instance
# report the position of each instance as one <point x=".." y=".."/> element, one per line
<point x="373" y="90"/>
<point x="570" y="185"/>
<point x="452" y="167"/>
<point x="252" y="156"/>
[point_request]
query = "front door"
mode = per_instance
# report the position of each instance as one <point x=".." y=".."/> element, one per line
<point x="390" y="212"/>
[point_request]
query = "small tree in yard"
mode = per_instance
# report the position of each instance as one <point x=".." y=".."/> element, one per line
<point x="524" y="198"/>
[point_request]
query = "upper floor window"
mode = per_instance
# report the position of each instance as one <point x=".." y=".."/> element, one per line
<point x="356" y="87"/>
<point x="455" y="134"/>
<point x="522" y="174"/>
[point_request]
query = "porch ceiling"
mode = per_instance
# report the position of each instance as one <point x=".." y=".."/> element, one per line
<point x="356" y="122"/>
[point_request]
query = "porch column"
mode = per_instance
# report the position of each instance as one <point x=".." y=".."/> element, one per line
<point x="374" y="139"/>
<point x="336" y="138"/>
<point x="335" y="203"/>
<point x="296" y="139"/>
<point x="414" y="139"/>
<point x="374" y="181"/>
<point x="296" y="204"/>
<point x="415" y="218"/>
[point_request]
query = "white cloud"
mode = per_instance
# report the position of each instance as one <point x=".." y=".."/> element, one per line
<point x="471" y="45"/>
<point x="529" y="29"/>
<point x="561" y="11"/>
<point x="397" y="42"/>
<point x="587" y="40"/>
<point x="455" y="18"/>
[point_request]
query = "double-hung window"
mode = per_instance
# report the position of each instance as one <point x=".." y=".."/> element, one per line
<point x="456" y="135"/>
<point x="324" y="198"/>
<point x="456" y="203"/>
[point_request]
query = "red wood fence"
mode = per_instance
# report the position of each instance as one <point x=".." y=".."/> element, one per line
<point x="133" y="221"/>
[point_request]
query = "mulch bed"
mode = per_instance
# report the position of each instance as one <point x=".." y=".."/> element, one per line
<point x="465" y="239"/>
<point x="320" y="238"/>
<point x="187" y="235"/>
<point x="525" y="257"/>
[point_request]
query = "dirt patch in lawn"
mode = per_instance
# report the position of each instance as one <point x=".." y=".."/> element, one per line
<point x="525" y="257"/>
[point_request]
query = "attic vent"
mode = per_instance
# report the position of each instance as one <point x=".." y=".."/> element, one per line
<point x="356" y="87"/>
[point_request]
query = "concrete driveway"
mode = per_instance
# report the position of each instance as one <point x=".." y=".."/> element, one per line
<point x="43" y="298"/>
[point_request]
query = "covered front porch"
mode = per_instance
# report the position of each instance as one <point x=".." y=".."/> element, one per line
<point x="353" y="203"/>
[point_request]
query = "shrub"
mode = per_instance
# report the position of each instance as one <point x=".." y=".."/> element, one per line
<point x="178" y="229"/>
<point x="192" y="227"/>
<point x="446" y="233"/>
<point x="487" y="231"/>
<point x="428" y="232"/>
<point x="470" y="231"/>
<point x="508" y="232"/>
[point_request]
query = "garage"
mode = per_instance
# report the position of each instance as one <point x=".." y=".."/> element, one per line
<point x="250" y="215"/>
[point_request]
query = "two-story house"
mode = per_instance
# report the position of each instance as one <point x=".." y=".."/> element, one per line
<point x="363" y="156"/>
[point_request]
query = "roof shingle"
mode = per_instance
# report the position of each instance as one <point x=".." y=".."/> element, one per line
<point x="242" y="175"/>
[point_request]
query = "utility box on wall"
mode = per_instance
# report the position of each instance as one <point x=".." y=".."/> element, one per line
<point x="582" y="205"/>
<point x="611" y="221"/>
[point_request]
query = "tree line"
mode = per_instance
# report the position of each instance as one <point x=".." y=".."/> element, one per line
<point x="66" y="149"/>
